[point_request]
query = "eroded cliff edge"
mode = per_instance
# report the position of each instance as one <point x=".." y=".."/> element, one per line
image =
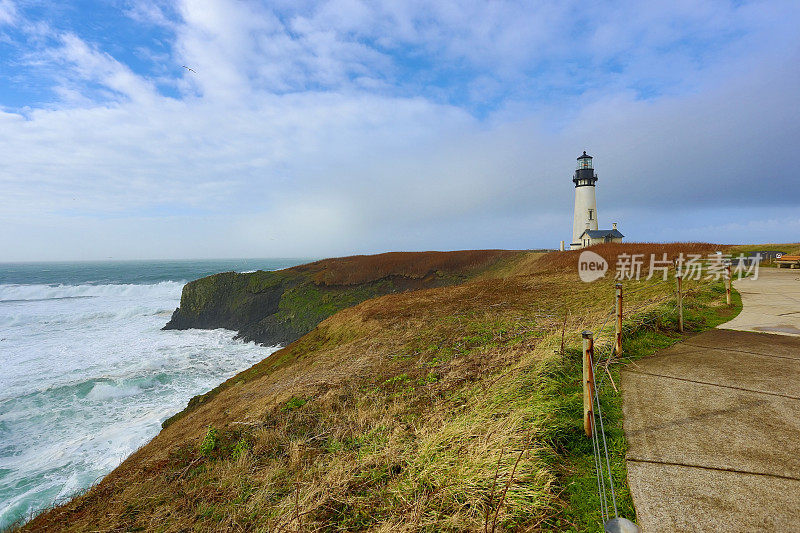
<point x="281" y="306"/>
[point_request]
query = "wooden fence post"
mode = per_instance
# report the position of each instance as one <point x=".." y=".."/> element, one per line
<point x="679" y="279"/>
<point x="618" y="344"/>
<point x="728" y="282"/>
<point x="588" y="382"/>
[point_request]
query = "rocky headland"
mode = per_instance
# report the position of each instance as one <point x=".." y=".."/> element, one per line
<point x="279" y="307"/>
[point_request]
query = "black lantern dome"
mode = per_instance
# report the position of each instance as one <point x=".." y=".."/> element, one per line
<point x="584" y="172"/>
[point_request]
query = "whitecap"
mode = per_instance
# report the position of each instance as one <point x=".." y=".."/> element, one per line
<point x="39" y="292"/>
<point x="108" y="391"/>
<point x="89" y="379"/>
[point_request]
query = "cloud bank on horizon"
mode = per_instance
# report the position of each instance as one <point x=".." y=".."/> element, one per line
<point x="347" y="126"/>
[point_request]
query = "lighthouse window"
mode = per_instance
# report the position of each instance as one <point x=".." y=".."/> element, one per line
<point x="590" y="214"/>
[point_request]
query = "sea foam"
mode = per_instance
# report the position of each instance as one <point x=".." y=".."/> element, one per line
<point x="40" y="292"/>
<point x="88" y="377"/>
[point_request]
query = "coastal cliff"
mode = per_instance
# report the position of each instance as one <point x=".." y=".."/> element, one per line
<point x="454" y="408"/>
<point x="281" y="306"/>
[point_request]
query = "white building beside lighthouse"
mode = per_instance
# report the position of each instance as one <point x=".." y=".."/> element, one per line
<point x="585" y="230"/>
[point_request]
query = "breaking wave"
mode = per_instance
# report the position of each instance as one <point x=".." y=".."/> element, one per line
<point x="88" y="377"/>
<point x="41" y="292"/>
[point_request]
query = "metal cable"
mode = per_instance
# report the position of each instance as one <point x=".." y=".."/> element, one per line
<point x="601" y="484"/>
<point x="605" y="447"/>
<point x="600" y="331"/>
<point x="597" y="365"/>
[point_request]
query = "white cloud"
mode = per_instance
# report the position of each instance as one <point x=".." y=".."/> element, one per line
<point x="298" y="136"/>
<point x="8" y="12"/>
<point x="91" y="65"/>
<point x="148" y="12"/>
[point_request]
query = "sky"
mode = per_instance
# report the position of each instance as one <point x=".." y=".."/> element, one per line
<point x="311" y="129"/>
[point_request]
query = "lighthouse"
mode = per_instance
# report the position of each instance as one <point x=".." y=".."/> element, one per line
<point x="584" y="219"/>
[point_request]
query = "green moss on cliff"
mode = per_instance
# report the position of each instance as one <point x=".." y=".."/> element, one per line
<point x="199" y="295"/>
<point x="261" y="281"/>
<point x="307" y="305"/>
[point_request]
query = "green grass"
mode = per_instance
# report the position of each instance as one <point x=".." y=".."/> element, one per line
<point x="574" y="456"/>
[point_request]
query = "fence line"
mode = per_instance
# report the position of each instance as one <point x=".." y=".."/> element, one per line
<point x="593" y="351"/>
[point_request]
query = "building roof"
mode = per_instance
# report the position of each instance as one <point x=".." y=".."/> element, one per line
<point x="602" y="233"/>
<point x="584" y="156"/>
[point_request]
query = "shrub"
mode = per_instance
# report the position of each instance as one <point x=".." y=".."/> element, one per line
<point x="242" y="446"/>
<point x="210" y="441"/>
<point x="294" y="403"/>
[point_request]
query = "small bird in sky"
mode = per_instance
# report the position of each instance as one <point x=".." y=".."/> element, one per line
<point x="187" y="68"/>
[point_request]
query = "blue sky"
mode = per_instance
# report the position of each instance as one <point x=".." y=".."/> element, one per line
<point x="329" y="128"/>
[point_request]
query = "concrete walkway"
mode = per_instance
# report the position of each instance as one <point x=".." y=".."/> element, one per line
<point x="713" y="423"/>
<point x="771" y="302"/>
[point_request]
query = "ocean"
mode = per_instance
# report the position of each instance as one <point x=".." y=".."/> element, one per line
<point x="86" y="374"/>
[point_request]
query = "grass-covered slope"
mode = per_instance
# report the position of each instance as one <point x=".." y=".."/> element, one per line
<point x="279" y="307"/>
<point x="446" y="409"/>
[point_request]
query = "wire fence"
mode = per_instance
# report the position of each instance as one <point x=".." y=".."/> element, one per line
<point x="647" y="313"/>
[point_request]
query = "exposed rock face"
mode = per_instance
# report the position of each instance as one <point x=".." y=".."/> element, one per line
<point x="279" y="307"/>
<point x="238" y="302"/>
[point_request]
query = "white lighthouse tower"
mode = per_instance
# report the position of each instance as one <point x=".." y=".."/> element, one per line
<point x="585" y="216"/>
<point x="584" y="219"/>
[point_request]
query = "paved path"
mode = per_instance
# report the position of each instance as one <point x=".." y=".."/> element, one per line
<point x="713" y="423"/>
<point x="771" y="302"/>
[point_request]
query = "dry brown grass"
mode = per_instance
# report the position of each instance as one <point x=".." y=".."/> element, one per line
<point x="566" y="261"/>
<point x="389" y="416"/>
<point x="359" y="269"/>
